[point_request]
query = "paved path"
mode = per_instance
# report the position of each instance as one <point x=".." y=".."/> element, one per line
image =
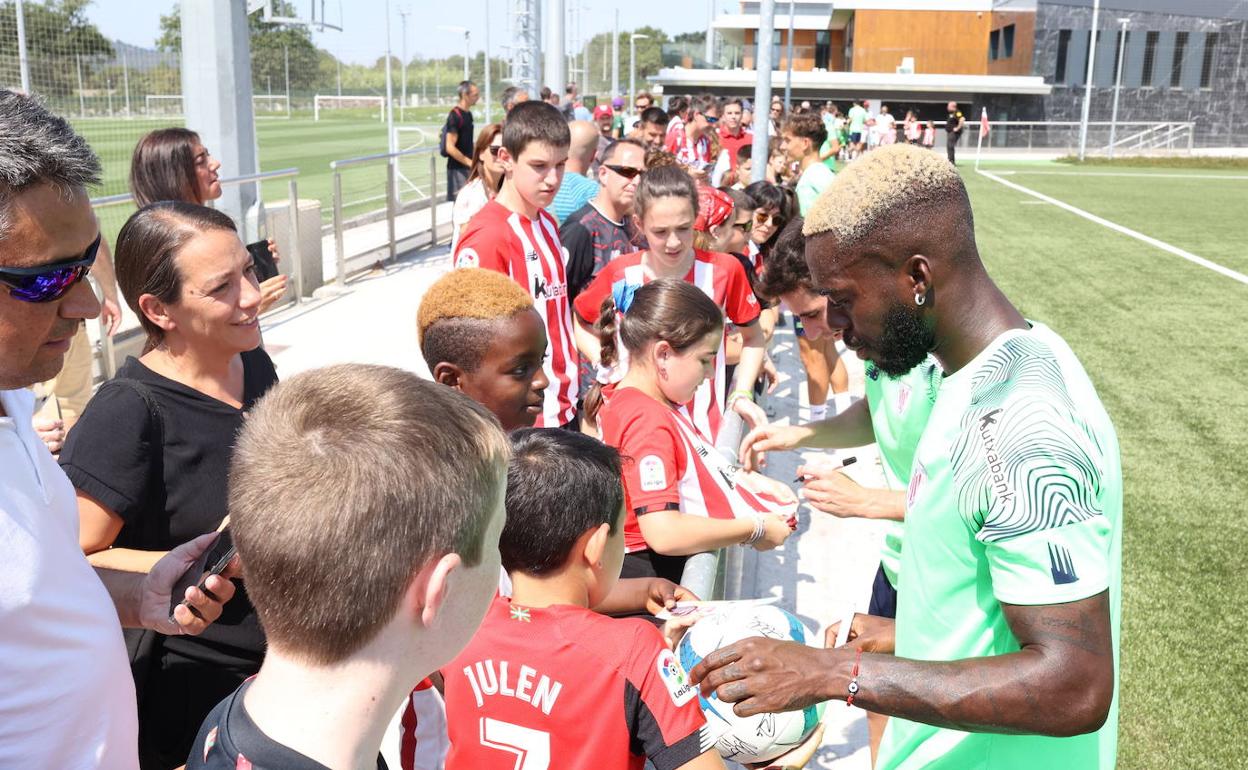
<point x="820" y="573"/>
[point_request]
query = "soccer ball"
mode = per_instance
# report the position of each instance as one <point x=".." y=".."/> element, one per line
<point x="762" y="737"/>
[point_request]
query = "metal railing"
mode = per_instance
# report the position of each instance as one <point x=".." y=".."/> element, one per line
<point x="1049" y="135"/>
<point x="107" y="351"/>
<point x="391" y="196"/>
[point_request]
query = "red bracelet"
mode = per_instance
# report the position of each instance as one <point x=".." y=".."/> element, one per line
<point x="853" y="681"/>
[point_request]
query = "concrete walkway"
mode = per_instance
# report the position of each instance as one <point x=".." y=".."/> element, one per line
<point x="820" y="573"/>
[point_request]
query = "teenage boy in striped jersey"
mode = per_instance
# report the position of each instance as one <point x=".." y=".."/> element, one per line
<point x="514" y="235"/>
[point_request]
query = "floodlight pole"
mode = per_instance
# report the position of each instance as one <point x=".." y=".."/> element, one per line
<point x="788" y="75"/>
<point x="1087" y="90"/>
<point x="1113" y="120"/>
<point x="22" y="59"/>
<point x="632" y="67"/>
<point x="710" y="32"/>
<point x="467" y="53"/>
<point x="125" y="79"/>
<point x="762" y="89"/>
<point x="615" y="56"/>
<point x="488" y="98"/>
<point x="286" y="57"/>
<point x="389" y="93"/>
<point x="403" y="14"/>
<point x="82" y="100"/>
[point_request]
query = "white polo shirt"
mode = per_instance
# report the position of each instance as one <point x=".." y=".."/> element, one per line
<point x="67" y="697"/>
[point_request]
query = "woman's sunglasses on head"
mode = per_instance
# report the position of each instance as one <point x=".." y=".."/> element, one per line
<point x="46" y="283"/>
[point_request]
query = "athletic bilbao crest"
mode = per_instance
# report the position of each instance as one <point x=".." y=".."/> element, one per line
<point x="917" y="479"/>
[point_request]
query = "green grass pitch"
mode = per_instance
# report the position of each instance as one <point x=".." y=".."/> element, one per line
<point x="1160" y="339"/>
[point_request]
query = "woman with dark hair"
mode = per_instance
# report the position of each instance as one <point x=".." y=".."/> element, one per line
<point x="149" y="456"/>
<point x="775" y="207"/>
<point x="172" y="164"/>
<point x="485" y="177"/>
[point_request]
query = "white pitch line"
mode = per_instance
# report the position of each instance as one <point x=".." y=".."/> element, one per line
<point x="1239" y="177"/>
<point x="1151" y="241"/>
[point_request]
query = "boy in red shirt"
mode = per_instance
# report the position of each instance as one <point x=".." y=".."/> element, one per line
<point x="547" y="678"/>
<point x="515" y="236"/>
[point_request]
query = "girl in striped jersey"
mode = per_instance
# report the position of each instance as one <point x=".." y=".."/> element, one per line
<point x="682" y="496"/>
<point x="666" y="205"/>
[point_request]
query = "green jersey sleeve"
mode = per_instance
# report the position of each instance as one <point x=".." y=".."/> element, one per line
<point x="1032" y="487"/>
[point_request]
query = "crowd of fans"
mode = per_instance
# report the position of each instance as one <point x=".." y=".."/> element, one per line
<point x="587" y="353"/>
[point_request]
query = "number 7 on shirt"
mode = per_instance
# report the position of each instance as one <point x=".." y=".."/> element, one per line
<point x="531" y="747"/>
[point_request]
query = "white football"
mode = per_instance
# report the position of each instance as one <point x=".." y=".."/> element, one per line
<point x="761" y="737"/>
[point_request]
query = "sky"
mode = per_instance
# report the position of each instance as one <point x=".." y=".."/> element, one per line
<point x="363" y="39"/>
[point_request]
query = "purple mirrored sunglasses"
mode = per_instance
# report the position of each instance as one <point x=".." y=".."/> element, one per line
<point x="46" y="283"/>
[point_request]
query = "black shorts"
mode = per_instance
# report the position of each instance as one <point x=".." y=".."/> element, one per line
<point x="883" y="596"/>
<point x="855" y="137"/>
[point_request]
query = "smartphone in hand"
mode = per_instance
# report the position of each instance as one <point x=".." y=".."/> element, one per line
<point x="266" y="268"/>
<point x="212" y="561"/>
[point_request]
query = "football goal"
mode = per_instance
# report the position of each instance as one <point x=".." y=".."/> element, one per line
<point x="349" y="106"/>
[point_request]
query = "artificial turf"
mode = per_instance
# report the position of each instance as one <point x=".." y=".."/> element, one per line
<point x="1161" y="340"/>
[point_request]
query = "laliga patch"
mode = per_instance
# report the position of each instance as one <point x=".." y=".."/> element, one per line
<point x="467" y="258"/>
<point x="653" y="474"/>
<point x="675" y="679"/>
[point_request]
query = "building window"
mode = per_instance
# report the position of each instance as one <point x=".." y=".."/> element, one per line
<point x="1150" y="58"/>
<point x="1176" y="62"/>
<point x="823" y="48"/>
<point x="1063" y="49"/>
<point x="1123" y="38"/>
<point x="1206" y="65"/>
<point x="994" y="45"/>
<point x="1007" y="41"/>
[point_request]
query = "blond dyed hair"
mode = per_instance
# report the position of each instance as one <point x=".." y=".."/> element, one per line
<point x="344" y="483"/>
<point x="882" y="189"/>
<point x="458" y="315"/>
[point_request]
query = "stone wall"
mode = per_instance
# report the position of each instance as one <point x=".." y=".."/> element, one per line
<point x="1220" y="111"/>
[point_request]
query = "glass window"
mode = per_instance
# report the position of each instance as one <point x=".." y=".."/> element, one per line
<point x="1176" y="63"/>
<point x="1150" y="58"/>
<point x="1206" y="65"/>
<point x="1007" y="41"/>
<point x="1063" y="50"/>
<point x="994" y="44"/>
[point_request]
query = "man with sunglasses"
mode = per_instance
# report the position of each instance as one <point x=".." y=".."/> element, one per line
<point x="68" y="697"/>
<point x="602" y="229"/>
<point x="692" y="143"/>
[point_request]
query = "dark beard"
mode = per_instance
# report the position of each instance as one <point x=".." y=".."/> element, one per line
<point x="906" y="340"/>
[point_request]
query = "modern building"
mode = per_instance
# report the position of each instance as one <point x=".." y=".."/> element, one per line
<point x="1020" y="59"/>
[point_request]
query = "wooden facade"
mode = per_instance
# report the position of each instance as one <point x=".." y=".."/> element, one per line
<point x="940" y="42"/>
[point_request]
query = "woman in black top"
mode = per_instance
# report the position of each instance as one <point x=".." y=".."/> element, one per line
<point x="150" y="455"/>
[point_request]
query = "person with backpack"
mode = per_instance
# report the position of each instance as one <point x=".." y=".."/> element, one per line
<point x="455" y="144"/>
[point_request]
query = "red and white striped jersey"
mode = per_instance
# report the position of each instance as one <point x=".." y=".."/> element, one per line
<point x="529" y="251"/>
<point x="722" y="278"/>
<point x="670" y="465"/>
<point x="689" y="153"/>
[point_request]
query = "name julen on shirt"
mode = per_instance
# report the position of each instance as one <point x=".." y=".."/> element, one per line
<point x="489" y="678"/>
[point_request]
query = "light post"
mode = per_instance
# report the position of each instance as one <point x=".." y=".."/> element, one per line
<point x="632" y="67"/>
<point x="1113" y="120"/>
<point x="467" y="43"/>
<point x="1087" y="90"/>
<point x="788" y="73"/>
<point x="403" y="14"/>
<point x="486" y="74"/>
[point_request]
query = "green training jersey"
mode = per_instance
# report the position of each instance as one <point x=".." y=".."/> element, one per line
<point x="1015" y="497"/>
<point x="899" y="410"/>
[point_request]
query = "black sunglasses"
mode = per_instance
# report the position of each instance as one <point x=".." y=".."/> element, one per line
<point x="494" y="148"/>
<point x="628" y="172"/>
<point x="46" y="283"/>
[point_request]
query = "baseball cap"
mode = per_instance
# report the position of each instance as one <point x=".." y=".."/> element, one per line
<point x="602" y="111"/>
<point x="617" y="101"/>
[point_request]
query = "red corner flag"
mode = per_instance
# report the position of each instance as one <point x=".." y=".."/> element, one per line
<point x="983" y="123"/>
